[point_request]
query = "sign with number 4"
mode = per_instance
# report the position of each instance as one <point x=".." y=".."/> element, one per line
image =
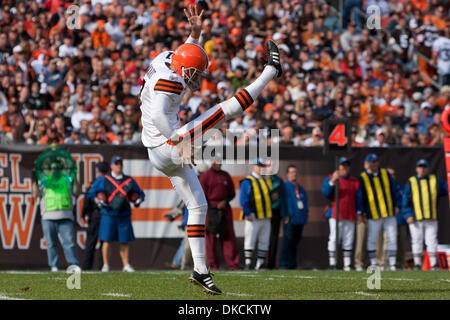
<point x="337" y="135"/>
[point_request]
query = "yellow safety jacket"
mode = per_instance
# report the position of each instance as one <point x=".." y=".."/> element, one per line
<point x="261" y="196"/>
<point x="424" y="194"/>
<point x="378" y="193"/>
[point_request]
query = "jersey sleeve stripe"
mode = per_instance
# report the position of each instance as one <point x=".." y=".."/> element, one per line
<point x="168" y="86"/>
<point x="168" y="82"/>
<point x="169" y="90"/>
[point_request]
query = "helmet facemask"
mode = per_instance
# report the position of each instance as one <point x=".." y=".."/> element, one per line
<point x="193" y="77"/>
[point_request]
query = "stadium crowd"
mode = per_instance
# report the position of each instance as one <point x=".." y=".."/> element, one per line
<point x="74" y="76"/>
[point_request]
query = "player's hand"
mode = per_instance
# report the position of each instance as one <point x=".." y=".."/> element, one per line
<point x="335" y="176"/>
<point x="250" y="217"/>
<point x="222" y="205"/>
<point x="195" y="20"/>
<point x="186" y="151"/>
<point x="410" y="220"/>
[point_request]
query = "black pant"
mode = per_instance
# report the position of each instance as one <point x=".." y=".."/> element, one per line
<point x="291" y="240"/>
<point x="91" y="241"/>
<point x="274" y="233"/>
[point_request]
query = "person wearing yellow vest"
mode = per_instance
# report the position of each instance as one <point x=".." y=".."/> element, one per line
<point x="257" y="211"/>
<point x="378" y="200"/>
<point x="57" y="191"/>
<point x="419" y="208"/>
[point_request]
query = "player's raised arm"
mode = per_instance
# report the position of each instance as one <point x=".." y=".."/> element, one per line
<point x="195" y="20"/>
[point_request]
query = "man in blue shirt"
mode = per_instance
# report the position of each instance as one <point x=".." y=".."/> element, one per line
<point x="419" y="208"/>
<point x="293" y="225"/>
<point x="113" y="192"/>
<point x="257" y="211"/>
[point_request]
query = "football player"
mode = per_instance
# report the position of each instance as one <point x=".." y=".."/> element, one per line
<point x="170" y="147"/>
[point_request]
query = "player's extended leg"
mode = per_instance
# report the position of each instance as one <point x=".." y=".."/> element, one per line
<point x="187" y="185"/>
<point x="234" y="106"/>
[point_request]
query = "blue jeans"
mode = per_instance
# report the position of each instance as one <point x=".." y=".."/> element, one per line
<point x="178" y="258"/>
<point x="291" y="238"/>
<point x="64" y="228"/>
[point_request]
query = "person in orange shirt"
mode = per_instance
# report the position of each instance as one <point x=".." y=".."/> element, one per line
<point x="438" y="18"/>
<point x="388" y="108"/>
<point x="51" y="136"/>
<point x="367" y="107"/>
<point x="99" y="35"/>
<point x="366" y="90"/>
<point x="444" y="99"/>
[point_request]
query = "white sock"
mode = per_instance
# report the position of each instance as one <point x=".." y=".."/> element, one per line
<point x="417" y="259"/>
<point x="259" y="263"/>
<point x="347" y="261"/>
<point x="433" y="259"/>
<point x="392" y="261"/>
<point x="332" y="258"/>
<point x="196" y="235"/>
<point x="347" y="258"/>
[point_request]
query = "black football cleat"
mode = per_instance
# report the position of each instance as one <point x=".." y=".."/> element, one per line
<point x="273" y="57"/>
<point x="204" y="281"/>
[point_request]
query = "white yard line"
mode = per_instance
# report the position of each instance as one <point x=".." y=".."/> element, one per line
<point x="238" y="294"/>
<point x="362" y="293"/>
<point x="112" y="294"/>
<point x="26" y="272"/>
<point x="5" y="297"/>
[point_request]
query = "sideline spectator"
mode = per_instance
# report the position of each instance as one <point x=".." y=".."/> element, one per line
<point x="219" y="191"/>
<point x="115" y="210"/>
<point x="91" y="213"/>
<point x="56" y="191"/>
<point x="293" y="224"/>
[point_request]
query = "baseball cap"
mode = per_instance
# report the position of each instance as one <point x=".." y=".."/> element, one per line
<point x="417" y="96"/>
<point x="343" y="160"/>
<point x="222" y="85"/>
<point x="424" y="105"/>
<point x="18" y="48"/>
<point x="139" y="42"/>
<point x="379" y="131"/>
<point x="371" y="157"/>
<point x="258" y="162"/>
<point x="237" y="32"/>
<point x="310" y="87"/>
<point x="422" y="163"/>
<point x="277" y="36"/>
<point x="102" y="166"/>
<point x="249" y="38"/>
<point x="116" y="159"/>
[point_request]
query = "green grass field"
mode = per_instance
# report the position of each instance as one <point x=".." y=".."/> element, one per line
<point x="236" y="285"/>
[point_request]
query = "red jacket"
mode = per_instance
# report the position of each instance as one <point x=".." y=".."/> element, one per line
<point x="348" y="187"/>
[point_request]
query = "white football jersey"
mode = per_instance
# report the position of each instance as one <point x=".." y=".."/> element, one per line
<point x="442" y="47"/>
<point x="160" y="79"/>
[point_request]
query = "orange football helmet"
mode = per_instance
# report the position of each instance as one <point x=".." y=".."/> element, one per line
<point x="190" y="61"/>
